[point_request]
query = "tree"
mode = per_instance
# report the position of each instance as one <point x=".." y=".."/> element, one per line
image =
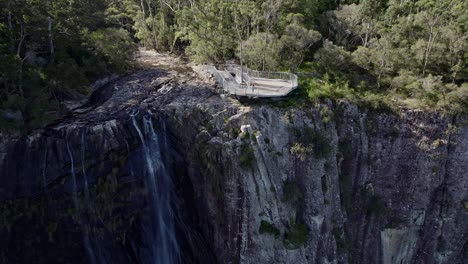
<point x="296" y="40"/>
<point x="259" y="54"/>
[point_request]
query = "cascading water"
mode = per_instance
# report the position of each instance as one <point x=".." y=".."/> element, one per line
<point x="86" y="240"/>
<point x="73" y="174"/>
<point x="93" y="256"/>
<point x="44" y="168"/>
<point x="83" y="167"/>
<point x="161" y="236"/>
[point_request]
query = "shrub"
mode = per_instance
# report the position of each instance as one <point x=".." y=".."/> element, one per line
<point x="292" y="193"/>
<point x="315" y="141"/>
<point x="268" y="228"/>
<point x="116" y="46"/>
<point x="301" y="151"/>
<point x="342" y="244"/>
<point x="326" y="114"/>
<point x="247" y="156"/>
<point x="296" y="237"/>
<point x="374" y="203"/>
<point x="465" y="205"/>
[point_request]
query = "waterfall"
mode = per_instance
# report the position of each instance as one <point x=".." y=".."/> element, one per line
<point x="83" y="169"/>
<point x="85" y="231"/>
<point x="73" y="174"/>
<point x="161" y="237"/>
<point x="44" y="169"/>
<point x="94" y="257"/>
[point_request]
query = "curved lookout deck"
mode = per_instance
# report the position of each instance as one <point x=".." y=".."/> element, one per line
<point x="254" y="83"/>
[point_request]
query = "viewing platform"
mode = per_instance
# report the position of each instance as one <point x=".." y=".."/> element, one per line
<point x="253" y="83"/>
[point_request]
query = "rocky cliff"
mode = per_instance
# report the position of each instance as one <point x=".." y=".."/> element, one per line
<point x="159" y="164"/>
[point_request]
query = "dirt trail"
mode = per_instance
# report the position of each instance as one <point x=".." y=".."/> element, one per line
<point x="148" y="59"/>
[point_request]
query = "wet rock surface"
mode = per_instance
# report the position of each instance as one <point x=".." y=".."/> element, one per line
<point x="252" y="183"/>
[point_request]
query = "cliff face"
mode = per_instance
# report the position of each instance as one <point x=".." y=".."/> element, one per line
<point x="158" y="164"/>
<point x="330" y="184"/>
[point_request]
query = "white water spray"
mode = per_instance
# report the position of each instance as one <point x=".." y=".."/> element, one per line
<point x="162" y="238"/>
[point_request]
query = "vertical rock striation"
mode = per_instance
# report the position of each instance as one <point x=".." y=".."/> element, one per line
<point x="159" y="156"/>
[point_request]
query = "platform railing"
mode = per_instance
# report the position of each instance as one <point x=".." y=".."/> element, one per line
<point x="235" y="85"/>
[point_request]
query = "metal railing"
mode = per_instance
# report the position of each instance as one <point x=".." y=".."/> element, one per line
<point x="244" y="86"/>
<point x="238" y="72"/>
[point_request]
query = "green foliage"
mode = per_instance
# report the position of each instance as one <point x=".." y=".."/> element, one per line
<point x="326" y="114"/>
<point x="296" y="39"/>
<point x="373" y="203"/>
<point x="262" y="51"/>
<point x="342" y="243"/>
<point x="50" y="51"/>
<point x="400" y="54"/>
<point x="312" y="141"/>
<point x="209" y="29"/>
<point x="301" y="151"/>
<point x="247" y="156"/>
<point x="465" y="205"/>
<point x="297" y="236"/>
<point x="321" y="88"/>
<point x="378" y="54"/>
<point x="268" y="228"/>
<point x="115" y="45"/>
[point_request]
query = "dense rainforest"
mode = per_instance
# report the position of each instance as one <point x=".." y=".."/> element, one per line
<point x="410" y="53"/>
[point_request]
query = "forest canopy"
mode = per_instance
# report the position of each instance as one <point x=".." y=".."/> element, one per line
<point x="412" y="52"/>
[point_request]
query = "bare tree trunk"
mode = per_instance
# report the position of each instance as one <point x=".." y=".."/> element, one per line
<point x="51" y="40"/>
<point x="10" y="29"/>
<point x="20" y="84"/>
<point x="153" y="22"/>
<point x="168" y="5"/>
<point x="274" y="7"/>
<point x="366" y="38"/>
<point x="22" y="38"/>
<point x="240" y="42"/>
<point x="18" y="53"/>
<point x="429" y="45"/>
<point x="143" y="21"/>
